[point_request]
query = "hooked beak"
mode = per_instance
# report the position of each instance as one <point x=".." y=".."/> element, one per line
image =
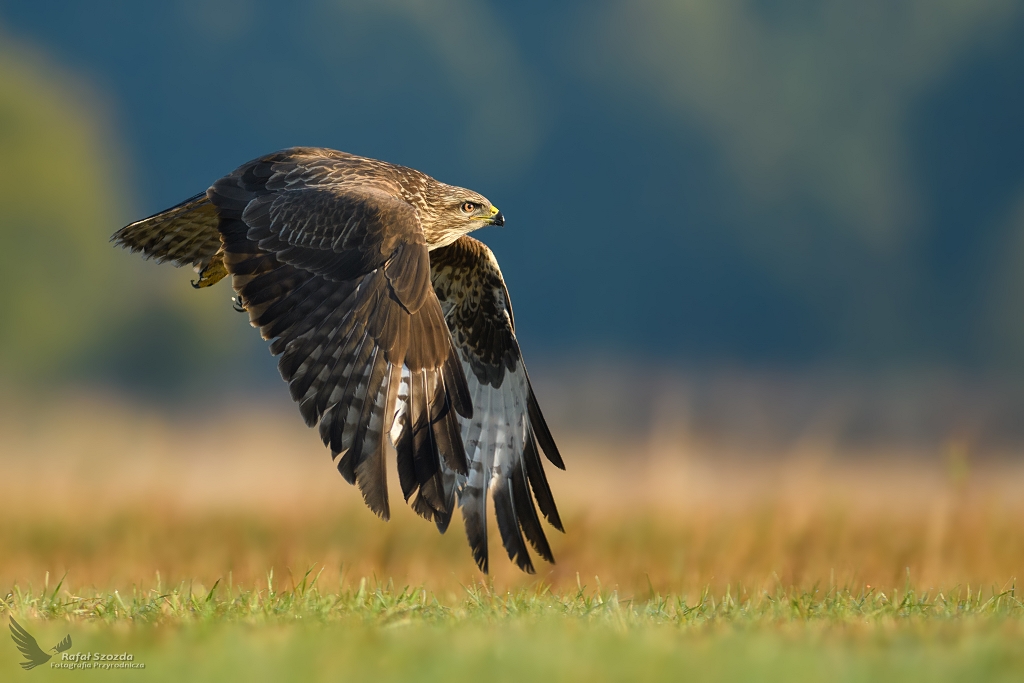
<point x="497" y="218"/>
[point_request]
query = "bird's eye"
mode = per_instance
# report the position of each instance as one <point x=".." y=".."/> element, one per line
<point x="468" y="207"/>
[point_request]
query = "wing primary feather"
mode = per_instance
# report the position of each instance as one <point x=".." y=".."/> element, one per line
<point x="540" y="428"/>
<point x="528" y="519"/>
<point x="474" y="517"/>
<point x="447" y="483"/>
<point x="508" y="526"/>
<point x="539" y="483"/>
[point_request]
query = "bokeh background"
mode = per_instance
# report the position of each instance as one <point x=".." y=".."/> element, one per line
<point x="737" y="230"/>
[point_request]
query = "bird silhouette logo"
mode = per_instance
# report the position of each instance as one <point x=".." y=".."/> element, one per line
<point x="34" y="656"/>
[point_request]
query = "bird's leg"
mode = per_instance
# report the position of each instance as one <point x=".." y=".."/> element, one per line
<point x="238" y="304"/>
<point x="212" y="273"/>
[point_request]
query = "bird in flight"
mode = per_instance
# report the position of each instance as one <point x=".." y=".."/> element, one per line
<point x="29" y="648"/>
<point x="391" y="323"/>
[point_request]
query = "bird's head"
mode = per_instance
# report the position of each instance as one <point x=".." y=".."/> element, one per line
<point x="456" y="211"/>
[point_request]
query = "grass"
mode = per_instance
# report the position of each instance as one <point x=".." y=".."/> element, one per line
<point x="210" y="552"/>
<point x="384" y="604"/>
<point x="382" y="633"/>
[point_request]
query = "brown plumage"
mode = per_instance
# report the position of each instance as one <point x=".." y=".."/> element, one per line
<point x="391" y="325"/>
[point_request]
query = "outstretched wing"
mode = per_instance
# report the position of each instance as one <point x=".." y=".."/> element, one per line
<point x="504" y="437"/>
<point x="63" y="645"/>
<point x="28" y="647"/>
<point x="332" y="265"/>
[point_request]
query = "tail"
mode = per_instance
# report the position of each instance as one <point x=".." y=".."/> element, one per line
<point x="185" y="234"/>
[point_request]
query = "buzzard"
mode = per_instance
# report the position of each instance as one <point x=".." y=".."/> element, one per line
<point x="391" y="323"/>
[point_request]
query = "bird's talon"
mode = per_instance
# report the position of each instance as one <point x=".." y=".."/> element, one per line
<point x="212" y="273"/>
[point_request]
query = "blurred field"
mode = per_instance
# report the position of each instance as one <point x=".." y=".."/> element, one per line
<point x="113" y="494"/>
<point x="920" y="547"/>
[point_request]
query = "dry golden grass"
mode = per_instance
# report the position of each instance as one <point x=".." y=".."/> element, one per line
<point x="115" y="496"/>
